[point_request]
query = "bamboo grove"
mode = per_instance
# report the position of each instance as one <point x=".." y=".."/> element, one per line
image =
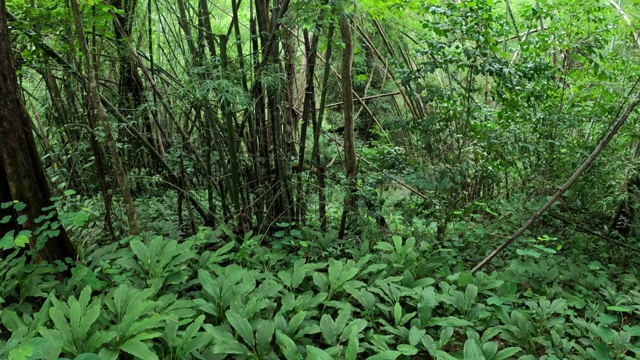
<point x="226" y="111"/>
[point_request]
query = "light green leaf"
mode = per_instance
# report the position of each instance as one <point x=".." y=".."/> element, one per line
<point x="384" y="246"/>
<point x="21" y="240"/>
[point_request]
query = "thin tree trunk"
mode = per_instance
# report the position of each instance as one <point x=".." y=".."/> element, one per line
<point x="317" y="129"/>
<point x="102" y="117"/>
<point x="351" y="166"/>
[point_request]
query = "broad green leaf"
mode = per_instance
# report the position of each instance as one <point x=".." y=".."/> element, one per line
<point x="288" y="347"/>
<point x="139" y="349"/>
<point x="448" y="321"/>
<point x="43" y="349"/>
<point x="489" y="349"/>
<point x="313" y="353"/>
<point x="140" y="250"/>
<point x="242" y="326"/>
<point x="506" y="353"/>
<point x="285" y="276"/>
<point x="230" y="347"/>
<point x="384" y="246"/>
<point x="295" y="322"/>
<point x="335" y="268"/>
<point x="329" y="329"/>
<point x="416" y="335"/>
<point x="193" y="328"/>
<point x="346" y="275"/>
<point x="12" y="321"/>
<point x="351" y="353"/>
<point x="397" y="313"/>
<point x="472" y="350"/>
<point x="386" y="355"/>
<point x="87" y="356"/>
<point x="470" y="294"/>
<point x="298" y="277"/>
<point x="407" y="350"/>
<point x="355" y="327"/>
<point x="445" y="335"/>
<point x="264" y="334"/>
<point x="601" y="351"/>
<point x="90" y="316"/>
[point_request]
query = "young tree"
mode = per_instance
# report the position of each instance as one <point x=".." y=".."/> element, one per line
<point x="22" y="176"/>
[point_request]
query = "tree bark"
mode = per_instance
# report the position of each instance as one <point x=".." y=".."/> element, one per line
<point x="22" y="177"/>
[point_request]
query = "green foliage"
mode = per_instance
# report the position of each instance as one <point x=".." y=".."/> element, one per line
<point x="506" y="103"/>
<point x="400" y="300"/>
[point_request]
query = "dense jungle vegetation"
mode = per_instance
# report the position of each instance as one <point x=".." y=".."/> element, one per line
<point x="319" y="179"/>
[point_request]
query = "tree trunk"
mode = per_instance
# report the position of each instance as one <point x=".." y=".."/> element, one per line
<point x="351" y="167"/>
<point x="22" y="177"/>
<point x="317" y="129"/>
<point x="101" y="115"/>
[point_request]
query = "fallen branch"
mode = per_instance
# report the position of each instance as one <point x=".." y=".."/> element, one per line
<point x="585" y="165"/>
<point x="583" y="229"/>
<point x="365" y="98"/>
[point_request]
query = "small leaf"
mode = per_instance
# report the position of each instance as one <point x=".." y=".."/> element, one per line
<point x="619" y="309"/>
<point x="397" y="313"/>
<point x="21" y="240"/>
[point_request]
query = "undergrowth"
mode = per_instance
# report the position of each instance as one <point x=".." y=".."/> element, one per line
<point x="302" y="294"/>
